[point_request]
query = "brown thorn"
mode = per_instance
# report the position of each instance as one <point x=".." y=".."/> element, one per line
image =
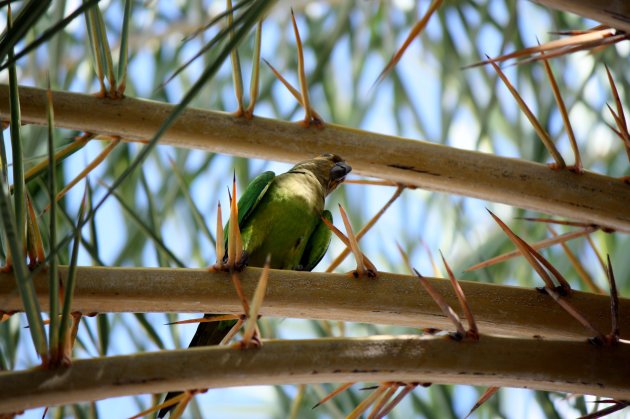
<point x="473" y="332"/>
<point x="564" y="113"/>
<point x="206" y="319"/>
<point x="559" y="222"/>
<point x="37" y="254"/>
<point x="579" y="268"/>
<point x="408" y="389"/>
<point x="371" y="182"/>
<point x="523" y="249"/>
<point x="415" y="31"/>
<point x="233" y="331"/>
<point x="220" y="242"/>
<point x="549" y="46"/>
<point x="592" y="45"/>
<point x="364" y="266"/>
<point x="615" y="92"/>
<point x="542" y="134"/>
<point x="589" y="239"/>
<point x="434" y="265"/>
<point x="239" y="290"/>
<point x="366" y="403"/>
<point x="340" y="235"/>
<point x="387" y="395"/>
<point x="405" y="257"/>
<point x="366" y="228"/>
<point x="619" y="405"/>
<point x="490" y="391"/>
<point x="86" y="171"/>
<point x="234" y="215"/>
<point x="599" y="337"/>
<point x="446" y="309"/>
<point x="254" y="81"/>
<point x="181" y="406"/>
<point x="167" y="403"/>
<point x="614" y="302"/>
<point x="237" y="75"/>
<point x="332" y="394"/>
<point x="257" y="301"/>
<point x="306" y="102"/>
<point x="296" y="94"/>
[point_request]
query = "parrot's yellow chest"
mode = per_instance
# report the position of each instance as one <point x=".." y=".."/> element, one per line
<point x="283" y="221"/>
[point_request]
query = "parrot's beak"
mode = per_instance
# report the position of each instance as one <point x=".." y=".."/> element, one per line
<point x="337" y="174"/>
<point x="340" y="170"/>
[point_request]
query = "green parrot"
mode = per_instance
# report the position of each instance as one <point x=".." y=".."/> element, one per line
<point x="281" y="216"/>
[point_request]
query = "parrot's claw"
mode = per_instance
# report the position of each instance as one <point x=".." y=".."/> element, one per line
<point x="563" y="292"/>
<point x="254" y="343"/>
<point x="366" y="273"/>
<point x="242" y="262"/>
<point x="218" y="267"/>
<point x="224" y="266"/>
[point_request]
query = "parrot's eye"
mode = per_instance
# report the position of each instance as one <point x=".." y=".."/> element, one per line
<point x="339" y="170"/>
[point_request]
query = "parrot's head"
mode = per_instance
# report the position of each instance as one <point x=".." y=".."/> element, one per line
<point x="330" y="170"/>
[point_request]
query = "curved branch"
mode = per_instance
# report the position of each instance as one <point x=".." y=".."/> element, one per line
<point x="589" y="197"/>
<point x="574" y="367"/>
<point x="388" y="299"/>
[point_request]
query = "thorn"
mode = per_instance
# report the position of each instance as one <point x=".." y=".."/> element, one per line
<point x="364" y="266"/>
<point x="306" y="102"/>
<point x="345" y="240"/>
<point x="220" y="242"/>
<point x="415" y="31"/>
<point x="233" y="331"/>
<point x="579" y="268"/>
<point x="296" y="94"/>
<point x="598" y="336"/>
<point x="406" y="390"/>
<point x="542" y="134"/>
<point x="535" y="259"/>
<point x="446" y="309"/>
<point x="366" y="403"/>
<point x="86" y="171"/>
<point x="538" y="245"/>
<point x="237" y="75"/>
<point x="366" y="228"/>
<point x="335" y="392"/>
<point x="577" y="167"/>
<point x="378" y="406"/>
<point x="490" y="391"/>
<point x="614" y="303"/>
<point x="473" y="332"/>
<point x="257" y="301"/>
<point x="253" y="85"/>
<point x="599" y="35"/>
<point x="405" y="257"/>
<point x="239" y="290"/>
<point x="205" y="319"/>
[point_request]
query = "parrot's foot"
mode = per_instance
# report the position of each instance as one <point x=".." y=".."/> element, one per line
<point x="225" y="266"/>
<point x="576" y="169"/>
<point x="562" y="291"/>
<point x="242" y="262"/>
<point x="370" y="273"/>
<point x="253" y="343"/>
<point x="555" y="166"/>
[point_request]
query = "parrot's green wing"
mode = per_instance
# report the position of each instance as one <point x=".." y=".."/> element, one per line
<point x="251" y="197"/>
<point x="317" y="244"/>
<point x="253" y="194"/>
